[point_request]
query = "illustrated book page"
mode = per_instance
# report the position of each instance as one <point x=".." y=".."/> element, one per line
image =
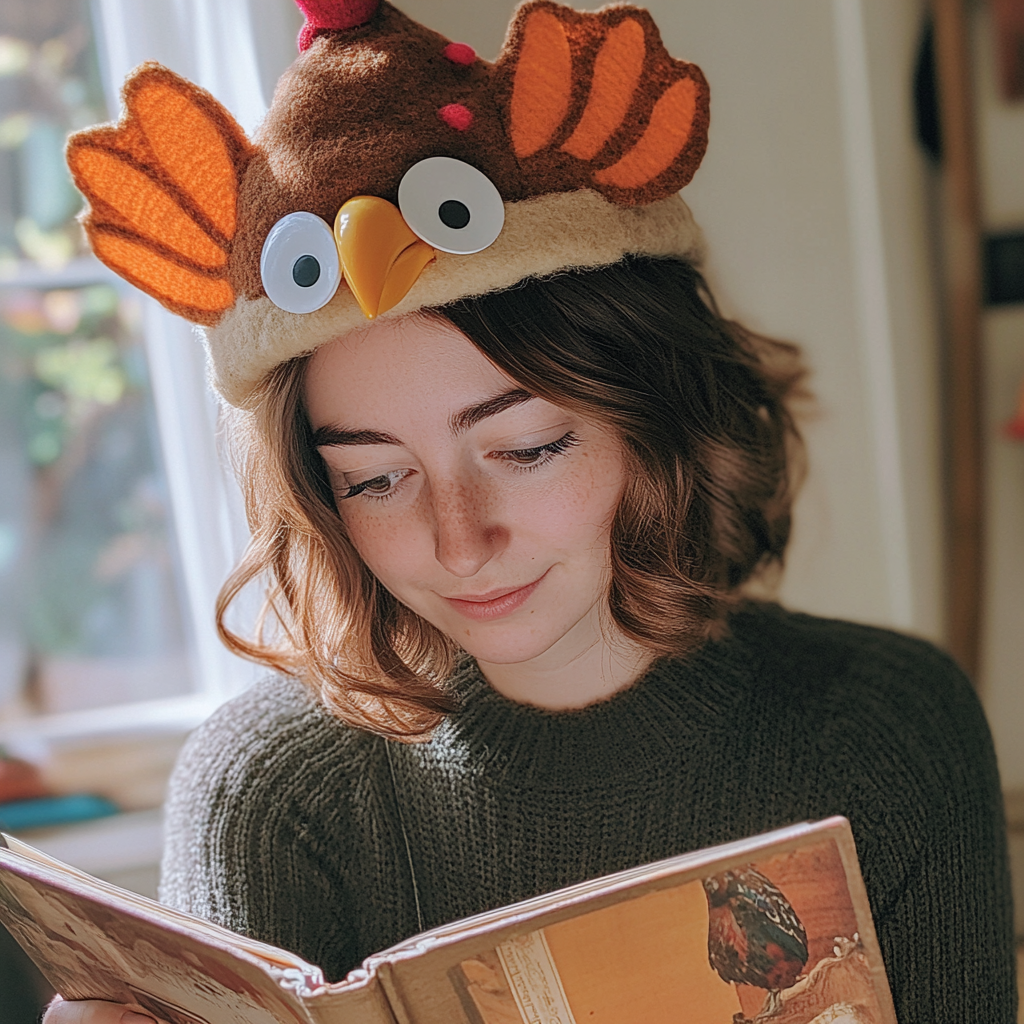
<point x="776" y="926"/>
<point x="93" y="940"/>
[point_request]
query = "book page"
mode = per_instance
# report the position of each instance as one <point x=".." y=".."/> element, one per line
<point x="674" y="952"/>
<point x="90" y="949"/>
<point x="786" y="935"/>
<point x="775" y="927"/>
<point x="124" y="897"/>
<point x="94" y="940"/>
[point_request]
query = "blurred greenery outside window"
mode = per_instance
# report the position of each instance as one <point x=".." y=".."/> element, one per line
<point x="90" y="608"/>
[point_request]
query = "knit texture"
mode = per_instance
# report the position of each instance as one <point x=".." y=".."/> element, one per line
<point x="541" y="237"/>
<point x="284" y="824"/>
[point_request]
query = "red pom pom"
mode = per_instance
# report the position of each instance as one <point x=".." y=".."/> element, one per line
<point x="456" y="116"/>
<point x="460" y="53"/>
<point x="327" y="15"/>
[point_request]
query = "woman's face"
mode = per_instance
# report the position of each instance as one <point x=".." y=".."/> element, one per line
<point x="484" y="510"/>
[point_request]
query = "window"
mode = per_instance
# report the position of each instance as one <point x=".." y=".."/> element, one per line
<point x="91" y="609"/>
<point x="91" y="597"/>
<point x="117" y="521"/>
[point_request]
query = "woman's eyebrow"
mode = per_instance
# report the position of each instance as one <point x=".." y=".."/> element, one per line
<point x="324" y="437"/>
<point x="470" y="416"/>
<point x="460" y="422"/>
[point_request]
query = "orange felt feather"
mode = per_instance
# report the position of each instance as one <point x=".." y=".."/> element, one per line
<point x="163" y="187"/>
<point x="200" y="298"/>
<point x="662" y="141"/>
<point x="543" y="84"/>
<point x="616" y="76"/>
<point x="594" y="100"/>
<point x="191" y="145"/>
<point x="143" y="204"/>
<point x="127" y="137"/>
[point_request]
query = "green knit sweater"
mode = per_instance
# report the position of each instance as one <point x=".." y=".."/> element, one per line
<point x="287" y="825"/>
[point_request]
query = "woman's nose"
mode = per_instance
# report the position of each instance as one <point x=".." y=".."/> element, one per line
<point x="466" y="532"/>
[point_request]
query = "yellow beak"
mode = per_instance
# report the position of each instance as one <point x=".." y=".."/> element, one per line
<point x="380" y="256"/>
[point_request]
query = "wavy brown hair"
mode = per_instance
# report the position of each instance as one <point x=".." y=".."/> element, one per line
<point x="701" y="406"/>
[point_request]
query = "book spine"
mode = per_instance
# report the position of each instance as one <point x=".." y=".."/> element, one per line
<point x="367" y="1004"/>
<point x="396" y="1004"/>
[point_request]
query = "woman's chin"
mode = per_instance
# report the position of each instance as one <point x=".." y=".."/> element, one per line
<point x="507" y="644"/>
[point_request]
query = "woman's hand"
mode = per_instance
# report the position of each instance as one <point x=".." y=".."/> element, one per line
<point x="92" y="1011"/>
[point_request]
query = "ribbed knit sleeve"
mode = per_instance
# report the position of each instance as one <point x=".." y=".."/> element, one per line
<point x="903" y="744"/>
<point x="947" y="931"/>
<point x="256" y="825"/>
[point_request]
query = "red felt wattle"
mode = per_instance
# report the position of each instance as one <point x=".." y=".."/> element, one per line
<point x="331" y="15"/>
<point x="460" y="53"/>
<point x="456" y="116"/>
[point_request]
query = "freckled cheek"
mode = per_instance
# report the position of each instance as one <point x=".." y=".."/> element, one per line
<point x="576" y="509"/>
<point x="390" y="546"/>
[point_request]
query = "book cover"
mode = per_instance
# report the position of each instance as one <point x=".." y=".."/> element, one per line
<point x="773" y="929"/>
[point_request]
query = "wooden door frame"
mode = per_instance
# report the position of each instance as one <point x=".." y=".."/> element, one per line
<point x="962" y="301"/>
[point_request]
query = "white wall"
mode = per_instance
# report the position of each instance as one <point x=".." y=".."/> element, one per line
<point x="1001" y="153"/>
<point x="812" y="198"/>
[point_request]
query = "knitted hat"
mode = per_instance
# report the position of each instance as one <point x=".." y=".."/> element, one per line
<point x="395" y="170"/>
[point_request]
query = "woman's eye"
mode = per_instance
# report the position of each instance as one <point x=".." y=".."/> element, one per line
<point x="525" y="456"/>
<point x="451" y="205"/>
<point x="531" y="457"/>
<point x="377" y="486"/>
<point x="299" y="264"/>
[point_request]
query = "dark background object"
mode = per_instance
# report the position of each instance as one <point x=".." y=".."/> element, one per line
<point x="1004" y="268"/>
<point x="927" y="120"/>
<point x="962" y="292"/>
<point x="1008" y="16"/>
<point x="23" y="992"/>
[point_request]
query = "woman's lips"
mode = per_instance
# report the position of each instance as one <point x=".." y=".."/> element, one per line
<point x="493" y="606"/>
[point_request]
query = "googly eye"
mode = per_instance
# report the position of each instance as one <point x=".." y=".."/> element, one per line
<point x="451" y="205"/>
<point x="299" y="263"/>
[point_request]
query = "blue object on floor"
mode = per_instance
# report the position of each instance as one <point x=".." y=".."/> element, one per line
<point x="47" y="811"/>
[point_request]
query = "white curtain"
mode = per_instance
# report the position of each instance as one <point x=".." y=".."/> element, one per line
<point x="236" y="49"/>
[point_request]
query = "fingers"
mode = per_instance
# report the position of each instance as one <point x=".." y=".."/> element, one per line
<point x="92" y="1011"/>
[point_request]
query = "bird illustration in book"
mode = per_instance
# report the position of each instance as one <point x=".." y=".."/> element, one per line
<point x="754" y="934"/>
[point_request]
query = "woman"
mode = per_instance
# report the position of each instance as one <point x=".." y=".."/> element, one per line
<point x="505" y="527"/>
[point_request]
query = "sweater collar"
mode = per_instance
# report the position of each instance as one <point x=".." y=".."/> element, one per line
<point x="661" y="717"/>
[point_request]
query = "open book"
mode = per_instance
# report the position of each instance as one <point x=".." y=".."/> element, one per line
<point x="776" y="927"/>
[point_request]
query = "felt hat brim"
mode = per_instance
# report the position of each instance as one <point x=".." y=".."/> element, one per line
<point x="542" y="236"/>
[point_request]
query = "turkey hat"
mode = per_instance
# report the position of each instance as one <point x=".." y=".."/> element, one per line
<point x="394" y="171"/>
